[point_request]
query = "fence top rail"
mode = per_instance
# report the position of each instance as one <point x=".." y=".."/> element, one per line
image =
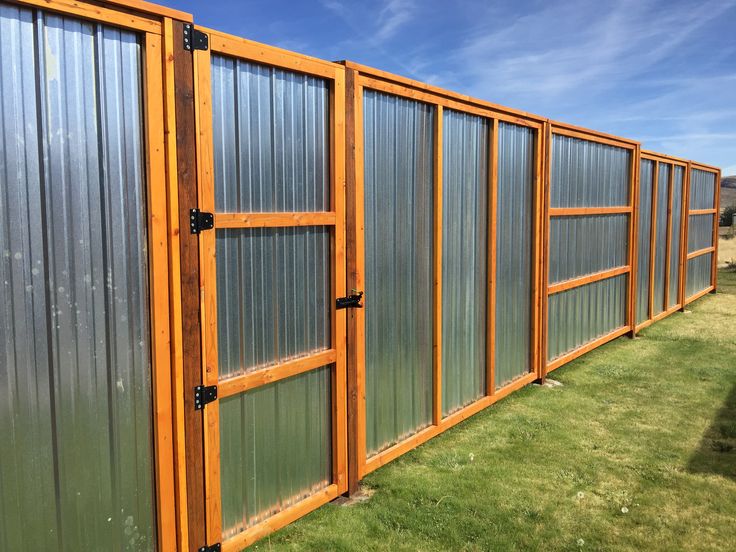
<point x="592" y="135"/>
<point x="704" y="167"/>
<point x="664" y="158"/>
<point x="121" y="14"/>
<point x="150" y="8"/>
<point x="406" y="82"/>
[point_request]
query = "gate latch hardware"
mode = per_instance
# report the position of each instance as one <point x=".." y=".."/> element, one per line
<point x="350" y="302"/>
<point x="211" y="548"/>
<point x="194" y="39"/>
<point x="204" y="394"/>
<point x="200" y="220"/>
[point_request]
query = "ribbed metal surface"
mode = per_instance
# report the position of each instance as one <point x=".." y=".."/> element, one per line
<point x="464" y="258"/>
<point x="699" y="232"/>
<point x="676" y="222"/>
<point x="275" y="448"/>
<point x="273" y="296"/>
<point x="644" y="253"/>
<point x="698" y="274"/>
<point x="271" y="143"/>
<point x="588" y="174"/>
<point x="398" y="267"/>
<point x="75" y="416"/>
<point x="514" y="228"/>
<point x="702" y="189"/>
<point x="660" y="236"/>
<point x="581" y="245"/>
<point x="579" y="315"/>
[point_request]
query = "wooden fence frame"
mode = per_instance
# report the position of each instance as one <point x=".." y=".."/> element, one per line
<point x="563" y="129"/>
<point x="360" y="77"/>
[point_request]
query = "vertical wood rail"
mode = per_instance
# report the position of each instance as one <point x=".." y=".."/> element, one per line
<point x="491" y="261"/>
<point x="186" y="155"/>
<point x="437" y="258"/>
<point x="633" y="238"/>
<point x="667" y="255"/>
<point x="545" y="247"/>
<point x="685" y="229"/>
<point x="536" y="255"/>
<point x="716" y="222"/>
<point x="652" y="238"/>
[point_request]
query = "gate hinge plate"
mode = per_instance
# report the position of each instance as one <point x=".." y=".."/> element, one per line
<point x="204" y="394"/>
<point x="194" y="39"/>
<point x="349" y="302"/>
<point x="210" y="548"/>
<point x="200" y="220"/>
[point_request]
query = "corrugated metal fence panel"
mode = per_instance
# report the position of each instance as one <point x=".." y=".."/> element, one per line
<point x="676" y="221"/>
<point x="660" y="236"/>
<point x="699" y="232"/>
<point x="644" y="254"/>
<point x="702" y="189"/>
<point x="580" y="315"/>
<point x="464" y="247"/>
<point x="271" y="143"/>
<point x="275" y="448"/>
<point x="76" y="463"/>
<point x="398" y="267"/>
<point x="581" y="245"/>
<point x="588" y="174"/>
<point x="698" y="274"/>
<point x="514" y="231"/>
<point x="273" y="296"/>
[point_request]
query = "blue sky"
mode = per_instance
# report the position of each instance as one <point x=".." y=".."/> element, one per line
<point x="662" y="72"/>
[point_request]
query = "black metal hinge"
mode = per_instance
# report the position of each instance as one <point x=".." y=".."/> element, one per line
<point x="349" y="302"/>
<point x="204" y="394"/>
<point x="200" y="220"/>
<point x="210" y="548"/>
<point x="194" y="39"/>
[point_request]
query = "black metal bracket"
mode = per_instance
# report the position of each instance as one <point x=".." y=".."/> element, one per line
<point x="194" y="39"/>
<point x="204" y="394"/>
<point x="349" y="302"/>
<point x="200" y="220"/>
<point x="210" y="548"/>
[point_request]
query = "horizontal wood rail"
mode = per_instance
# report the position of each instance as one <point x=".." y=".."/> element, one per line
<point x="583" y="211"/>
<point x="567" y="357"/>
<point x="700" y="252"/>
<point x="271" y="374"/>
<point x="587" y="279"/>
<point x="274" y="220"/>
<point x="701" y="212"/>
<point x="699" y="294"/>
<point x="584" y="134"/>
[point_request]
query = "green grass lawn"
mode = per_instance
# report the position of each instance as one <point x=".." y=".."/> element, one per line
<point x="636" y="451"/>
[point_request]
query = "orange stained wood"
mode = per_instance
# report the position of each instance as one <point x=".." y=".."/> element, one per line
<point x="633" y="241"/>
<point x="654" y="156"/>
<point x="683" y="236"/>
<point x="153" y="9"/>
<point x="700" y="252"/>
<point x="717" y="204"/>
<point x="491" y="261"/>
<point x="544" y="345"/>
<point x="652" y="237"/>
<point x="587" y="279"/>
<point x="699" y="294"/>
<point x="437" y="245"/>
<point x="586" y="211"/>
<point x="572" y="355"/>
<point x="703" y="211"/>
<point x="581" y="133"/>
<point x="99" y="13"/>
<point x="668" y="238"/>
<point x="274" y="220"/>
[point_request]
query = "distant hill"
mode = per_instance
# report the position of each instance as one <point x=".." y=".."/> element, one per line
<point x="728" y="191"/>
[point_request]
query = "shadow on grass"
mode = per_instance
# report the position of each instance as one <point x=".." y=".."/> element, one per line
<point x="716" y="453"/>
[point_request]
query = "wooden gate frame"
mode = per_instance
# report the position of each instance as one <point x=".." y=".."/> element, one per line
<point x="358" y="78"/>
<point x="634" y="148"/>
<point x="334" y="74"/>
<point x="715" y="210"/>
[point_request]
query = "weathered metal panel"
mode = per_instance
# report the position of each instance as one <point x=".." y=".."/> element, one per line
<point x="273" y="296"/>
<point x="580" y="315"/>
<point x="464" y="258"/>
<point x="398" y="136"/>
<point x="660" y="236"/>
<point x="644" y="253"/>
<point x="271" y="138"/>
<point x="588" y="174"/>
<point x="514" y="232"/>
<point x="676" y="222"/>
<point x="581" y="245"/>
<point x="75" y="369"/>
<point x="702" y="189"/>
<point x="698" y="274"/>
<point x="699" y="232"/>
<point x="275" y="448"/>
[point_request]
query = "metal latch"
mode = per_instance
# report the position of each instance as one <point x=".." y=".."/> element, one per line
<point x="194" y="39"/>
<point x="350" y="302"/>
<point x="204" y="394"/>
<point x="210" y="548"/>
<point x="200" y="220"/>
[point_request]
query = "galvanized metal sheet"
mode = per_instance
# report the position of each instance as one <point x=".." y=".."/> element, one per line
<point x="699" y="272"/>
<point x="273" y="296"/>
<point x="644" y="252"/>
<point x="588" y="174"/>
<point x="702" y="189"/>
<point x="398" y="136"/>
<point x="275" y="448"/>
<point x="699" y="232"/>
<point x="660" y="236"/>
<point x="271" y="138"/>
<point x="676" y="222"/>
<point x="464" y="258"/>
<point x="514" y="231"/>
<point x="75" y="369"/>
<point x="580" y="315"/>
